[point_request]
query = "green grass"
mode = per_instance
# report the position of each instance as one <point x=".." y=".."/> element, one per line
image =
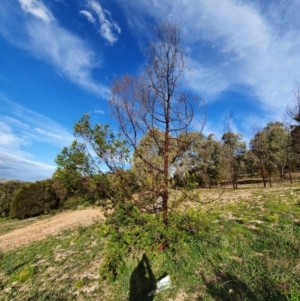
<point x="242" y="250"/>
<point x="7" y="224"/>
<point x="58" y="268"/>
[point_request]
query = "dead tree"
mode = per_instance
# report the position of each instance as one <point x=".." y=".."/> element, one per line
<point x="155" y="100"/>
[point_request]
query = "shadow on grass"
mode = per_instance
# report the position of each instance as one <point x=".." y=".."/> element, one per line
<point x="226" y="287"/>
<point x="142" y="281"/>
<point x="250" y="181"/>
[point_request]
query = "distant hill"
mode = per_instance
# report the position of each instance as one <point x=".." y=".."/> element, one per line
<point x="2" y="181"/>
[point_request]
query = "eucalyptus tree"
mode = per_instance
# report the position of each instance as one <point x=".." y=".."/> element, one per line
<point x="294" y="113"/>
<point x="272" y="148"/>
<point x="259" y="147"/>
<point x="291" y="154"/>
<point x="203" y="163"/>
<point x="251" y="164"/>
<point x="234" y="149"/>
<point x="187" y="163"/>
<point x="214" y="161"/>
<point x="156" y="100"/>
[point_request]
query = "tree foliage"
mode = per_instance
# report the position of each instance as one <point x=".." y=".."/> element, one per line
<point x="94" y="165"/>
<point x="201" y="164"/>
<point x="234" y="149"/>
<point x="7" y="192"/>
<point x="33" y="199"/>
<point x="251" y="164"/>
<point x="294" y="151"/>
<point x="272" y="148"/>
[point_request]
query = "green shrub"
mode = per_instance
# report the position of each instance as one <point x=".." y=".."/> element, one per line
<point x="7" y="191"/>
<point x="75" y="202"/>
<point x="131" y="232"/>
<point x="34" y="199"/>
<point x="69" y="204"/>
<point x="60" y="191"/>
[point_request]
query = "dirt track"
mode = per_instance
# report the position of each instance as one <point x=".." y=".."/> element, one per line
<point x="52" y="226"/>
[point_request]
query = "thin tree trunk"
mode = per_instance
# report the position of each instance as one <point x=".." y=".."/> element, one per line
<point x="281" y="172"/>
<point x="291" y="178"/>
<point x="262" y="173"/>
<point x="166" y="165"/>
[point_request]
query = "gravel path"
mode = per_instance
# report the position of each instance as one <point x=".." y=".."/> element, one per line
<point x="52" y="226"/>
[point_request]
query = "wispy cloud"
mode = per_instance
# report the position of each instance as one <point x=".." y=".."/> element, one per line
<point x="232" y="44"/>
<point x="99" y="112"/>
<point x="88" y="15"/>
<point x="108" y="28"/>
<point x="14" y="167"/>
<point x="62" y="1"/>
<point x="21" y="128"/>
<point x="34" y="28"/>
<point x="30" y="125"/>
<point x="68" y="53"/>
<point x="8" y="139"/>
<point x="37" y="9"/>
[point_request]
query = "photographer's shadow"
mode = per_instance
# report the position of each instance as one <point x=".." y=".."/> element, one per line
<point x="142" y="281"/>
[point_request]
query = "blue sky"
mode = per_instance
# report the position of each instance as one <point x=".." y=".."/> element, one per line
<point x="58" y="58"/>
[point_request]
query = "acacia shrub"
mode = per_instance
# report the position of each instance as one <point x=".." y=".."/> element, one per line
<point x="7" y="191"/>
<point x="34" y="199"/>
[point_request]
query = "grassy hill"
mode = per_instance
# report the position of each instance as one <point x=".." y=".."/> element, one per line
<point x="244" y="246"/>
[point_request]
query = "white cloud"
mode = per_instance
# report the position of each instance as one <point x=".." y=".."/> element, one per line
<point x="232" y="43"/>
<point x="21" y="128"/>
<point x="207" y="81"/>
<point x="28" y="126"/>
<point x="48" y="134"/>
<point x="71" y="56"/>
<point x="14" y="167"/>
<point x="8" y="139"/>
<point x="88" y="15"/>
<point x="108" y="28"/>
<point x="61" y="1"/>
<point x="68" y="53"/>
<point x="99" y="112"/>
<point x="37" y="9"/>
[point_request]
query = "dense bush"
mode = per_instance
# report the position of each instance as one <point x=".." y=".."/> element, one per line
<point x="62" y="194"/>
<point x="7" y="191"/>
<point x="34" y="199"/>
<point x="100" y="188"/>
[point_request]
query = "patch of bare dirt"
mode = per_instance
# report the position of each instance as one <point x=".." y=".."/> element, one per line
<point x="52" y="226"/>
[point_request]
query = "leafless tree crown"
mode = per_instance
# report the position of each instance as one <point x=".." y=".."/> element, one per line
<point x="155" y="98"/>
